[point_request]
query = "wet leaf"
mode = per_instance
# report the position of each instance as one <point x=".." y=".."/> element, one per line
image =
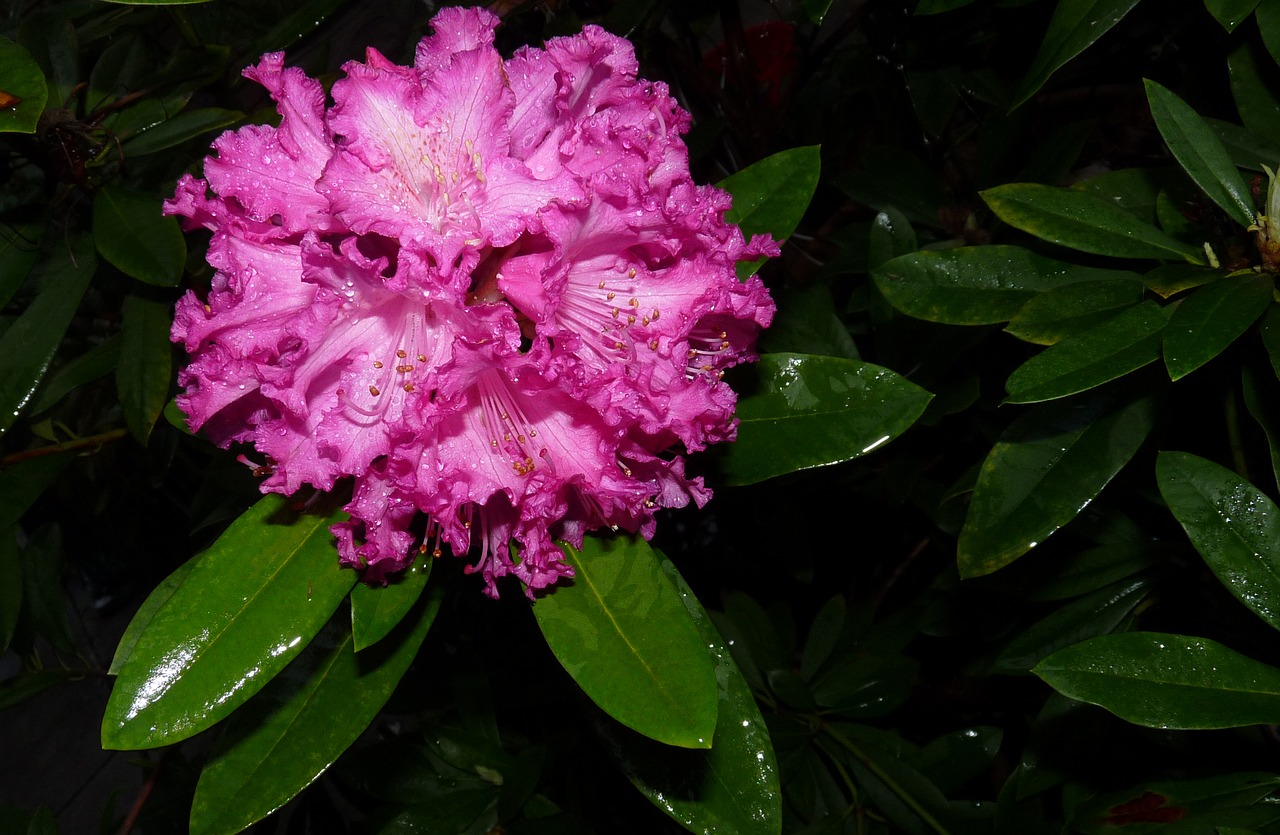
<point x="976" y="285"/>
<point x="1246" y="150"/>
<point x="1109" y="350"/>
<point x="1046" y="467"/>
<point x="142" y="373"/>
<point x="1233" y="525"/>
<point x="1263" y="402"/>
<point x="1075" y="25"/>
<point x="806" y="323"/>
<point x="1210" y="319"/>
<point x="1267" y="16"/>
<point x="890" y="236"/>
<point x="375" y="610"/>
<point x="27" y="348"/>
<point x="734" y="786"/>
<point x="186" y="125"/>
<point x="1063" y="311"/>
<point x="93" y="364"/>
<point x="24" y="89"/>
<point x="1166" y="681"/>
<point x="301" y="722"/>
<point x="810" y="411"/>
<point x="771" y="196"/>
<point x="132" y="234"/>
<point x="622" y="631"/>
<point x="1252" y="74"/>
<point x="1230" y="13"/>
<point x="141" y="618"/>
<point x="1083" y="221"/>
<point x="1178" y="806"/>
<point x="1099" y="613"/>
<point x="249" y="606"/>
<point x="1197" y="149"/>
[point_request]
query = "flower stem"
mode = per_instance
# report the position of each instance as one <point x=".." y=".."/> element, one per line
<point x="65" y="446"/>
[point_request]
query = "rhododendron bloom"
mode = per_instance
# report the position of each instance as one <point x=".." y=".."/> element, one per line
<point x="487" y="292"/>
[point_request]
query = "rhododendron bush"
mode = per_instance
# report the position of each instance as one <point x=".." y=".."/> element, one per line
<point x="598" y="416"/>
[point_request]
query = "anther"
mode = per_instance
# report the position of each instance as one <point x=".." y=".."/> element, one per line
<point x="401" y="354"/>
<point x="374" y="391"/>
<point x="377" y="364"/>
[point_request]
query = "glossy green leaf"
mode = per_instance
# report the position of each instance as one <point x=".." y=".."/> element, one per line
<point x="1253" y="79"/>
<point x="49" y="35"/>
<point x="806" y="323"/>
<point x="1230" y="13"/>
<point x="27" y="348"/>
<point x="1166" y="681"/>
<point x="186" y="125"/>
<point x="23" y="82"/>
<point x="1233" y="525"/>
<point x="93" y="364"/>
<point x="1134" y="189"/>
<point x="1049" y="464"/>
<point x="812" y="411"/>
<point x="953" y="759"/>
<point x="976" y="285"/>
<point x="1210" y="319"/>
<point x="734" y="786"/>
<point x="771" y="196"/>
<point x="1075" y="25"/>
<point x="1099" y="613"/>
<point x="1092" y="569"/>
<point x="824" y="635"/>
<point x="301" y="722"/>
<point x="142" y="618"/>
<point x="1121" y="344"/>
<point x="1063" y="311"/>
<point x="375" y="610"/>
<point x="1267" y="16"/>
<point x="1083" y="221"/>
<point x="19" y="251"/>
<point x="10" y="586"/>
<point x="1246" y="149"/>
<point x="131" y="232"/>
<point x="1262" y="399"/>
<point x="1168" y="280"/>
<point x="142" y="374"/>
<point x="890" y="236"/>
<point x="621" y="630"/>
<point x="1196" y="148"/>
<point x="249" y="606"/>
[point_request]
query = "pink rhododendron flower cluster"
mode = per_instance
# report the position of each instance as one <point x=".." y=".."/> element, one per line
<point x="487" y="291"/>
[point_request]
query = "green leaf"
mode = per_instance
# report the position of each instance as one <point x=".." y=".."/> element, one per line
<point x="770" y="197"/>
<point x="1263" y="402"/>
<point x="1233" y="525"/>
<point x="142" y="375"/>
<point x="812" y="411"/>
<point x="1090" y="570"/>
<point x="1166" y="681"/>
<point x="1206" y="322"/>
<point x="621" y="630"/>
<point x="186" y="125"/>
<point x="1099" y="613"/>
<point x="24" y="686"/>
<point x="50" y="37"/>
<point x="27" y="348"/>
<point x="10" y="586"/>
<point x="304" y="18"/>
<point x="1267" y="16"/>
<point x="1196" y="148"/>
<point x="1246" y="149"/>
<point x="1198" y="806"/>
<point x="894" y="178"/>
<point x="95" y="363"/>
<point x="142" y="618"/>
<point x="1049" y="464"/>
<point x="1133" y="188"/>
<point x="1230" y="13"/>
<point x="1075" y="25"/>
<point x="131" y="232"/>
<point x="249" y="606"/>
<point x="1168" y="280"/>
<point x="890" y="236"/>
<point x="1063" y="311"/>
<point x="19" y="251"/>
<point x="1254" y="81"/>
<point x="953" y="759"/>
<point x="301" y="722"/>
<point x="806" y="323"/>
<point x="1083" y="221"/>
<point x="977" y="285"/>
<point x="1104" y="352"/>
<point x="1270" y="332"/>
<point x="734" y="786"/>
<point x="375" y="610"/>
<point x="22" y="82"/>
<point x="23" y="482"/>
<point x="45" y="601"/>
